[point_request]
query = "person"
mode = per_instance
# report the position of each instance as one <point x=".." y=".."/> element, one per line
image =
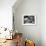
<point x="18" y="40"/>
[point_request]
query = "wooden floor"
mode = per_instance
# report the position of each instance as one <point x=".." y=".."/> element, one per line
<point x="9" y="43"/>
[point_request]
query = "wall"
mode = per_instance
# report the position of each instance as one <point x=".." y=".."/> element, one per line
<point x="43" y="22"/>
<point x="32" y="32"/>
<point x="6" y="13"/>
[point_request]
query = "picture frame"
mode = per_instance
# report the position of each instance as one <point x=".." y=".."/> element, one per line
<point x="28" y="19"/>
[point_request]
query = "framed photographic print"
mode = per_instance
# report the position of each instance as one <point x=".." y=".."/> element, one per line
<point x="29" y="20"/>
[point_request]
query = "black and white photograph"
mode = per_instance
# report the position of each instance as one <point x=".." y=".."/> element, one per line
<point x="29" y="20"/>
